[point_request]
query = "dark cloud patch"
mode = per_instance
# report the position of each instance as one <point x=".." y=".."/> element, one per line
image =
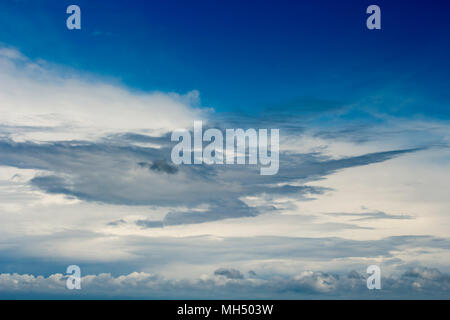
<point x="229" y="273"/>
<point x="52" y="184"/>
<point x="290" y="190"/>
<point x="149" y="224"/>
<point x="355" y="275"/>
<point x="237" y="209"/>
<point x="218" y="211"/>
<point x="426" y="274"/>
<point x="315" y="165"/>
<point x="116" y="223"/>
<point x="160" y="166"/>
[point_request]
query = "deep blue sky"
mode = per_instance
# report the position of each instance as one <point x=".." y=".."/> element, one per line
<point x="251" y="55"/>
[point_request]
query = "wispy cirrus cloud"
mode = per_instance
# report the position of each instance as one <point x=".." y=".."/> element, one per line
<point x="362" y="216"/>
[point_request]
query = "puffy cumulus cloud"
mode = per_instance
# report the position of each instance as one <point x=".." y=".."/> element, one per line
<point x="415" y="283"/>
<point x="16" y="283"/>
<point x="316" y="281"/>
<point x="424" y="280"/>
<point x="40" y="102"/>
<point x="191" y="256"/>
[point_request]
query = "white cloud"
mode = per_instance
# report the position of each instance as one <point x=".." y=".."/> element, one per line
<point x="39" y="102"/>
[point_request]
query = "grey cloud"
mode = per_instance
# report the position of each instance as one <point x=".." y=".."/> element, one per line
<point x="378" y="215"/>
<point x="114" y="172"/>
<point x="307" y="284"/>
<point x="355" y="275"/>
<point x="160" y="166"/>
<point x="205" y="250"/>
<point x="149" y="224"/>
<point x="116" y="223"/>
<point x="229" y="210"/>
<point x="52" y="184"/>
<point x="130" y="137"/>
<point x="219" y="211"/>
<point x="229" y="273"/>
<point x="262" y="255"/>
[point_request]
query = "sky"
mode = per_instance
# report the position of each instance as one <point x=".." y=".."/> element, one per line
<point x="86" y="176"/>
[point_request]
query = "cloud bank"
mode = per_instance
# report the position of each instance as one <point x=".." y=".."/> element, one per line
<point x="418" y="283"/>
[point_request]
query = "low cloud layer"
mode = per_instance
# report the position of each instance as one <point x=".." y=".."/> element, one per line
<point x="417" y="283"/>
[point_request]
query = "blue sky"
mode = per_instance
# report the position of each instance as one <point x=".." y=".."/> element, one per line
<point x="247" y="56"/>
<point x="85" y="170"/>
